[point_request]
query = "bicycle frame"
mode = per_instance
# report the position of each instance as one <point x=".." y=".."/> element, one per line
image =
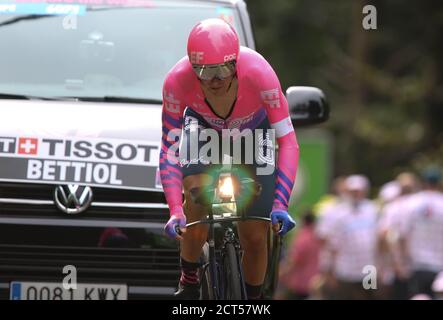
<point x="230" y="250"/>
<point x="229" y="236"/>
<point x="217" y="278"/>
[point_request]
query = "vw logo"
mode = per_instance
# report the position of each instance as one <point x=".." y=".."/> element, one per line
<point x="72" y="198"/>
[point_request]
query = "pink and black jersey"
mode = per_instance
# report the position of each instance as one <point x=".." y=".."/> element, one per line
<point x="259" y="96"/>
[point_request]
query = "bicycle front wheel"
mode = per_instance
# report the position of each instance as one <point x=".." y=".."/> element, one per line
<point x="232" y="275"/>
<point x="207" y="286"/>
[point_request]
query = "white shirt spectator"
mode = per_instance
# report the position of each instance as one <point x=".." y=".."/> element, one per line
<point x="326" y="220"/>
<point x="324" y="231"/>
<point x="423" y="231"/>
<point x="393" y="217"/>
<point x="390" y="225"/>
<point x="390" y="191"/>
<point x="354" y="239"/>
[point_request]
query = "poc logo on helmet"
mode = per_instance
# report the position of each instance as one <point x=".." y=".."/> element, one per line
<point x="230" y="57"/>
<point x="196" y="57"/>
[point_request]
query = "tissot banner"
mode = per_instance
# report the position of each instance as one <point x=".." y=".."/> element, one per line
<point x="91" y="161"/>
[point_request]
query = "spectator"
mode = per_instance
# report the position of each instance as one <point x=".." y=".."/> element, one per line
<point x="302" y="260"/>
<point x="338" y="191"/>
<point x="354" y="239"/>
<point x="423" y="233"/>
<point x="389" y="228"/>
<point x="324" y="229"/>
<point x="388" y="194"/>
<point x="437" y="286"/>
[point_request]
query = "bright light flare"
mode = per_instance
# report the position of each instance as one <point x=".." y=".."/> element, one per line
<point x="226" y="188"/>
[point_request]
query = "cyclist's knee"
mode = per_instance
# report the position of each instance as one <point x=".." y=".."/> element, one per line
<point x="196" y="180"/>
<point x="192" y="210"/>
<point x="253" y="235"/>
<point x="197" y="233"/>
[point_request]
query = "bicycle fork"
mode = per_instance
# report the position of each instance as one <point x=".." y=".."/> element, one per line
<point x="213" y="262"/>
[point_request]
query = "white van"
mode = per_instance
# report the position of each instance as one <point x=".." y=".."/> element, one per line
<point x="80" y="129"/>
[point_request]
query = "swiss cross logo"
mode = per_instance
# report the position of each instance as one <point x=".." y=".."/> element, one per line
<point x="27" y="146"/>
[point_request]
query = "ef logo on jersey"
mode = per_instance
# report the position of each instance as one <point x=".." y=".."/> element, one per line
<point x="271" y="98"/>
<point x="171" y="104"/>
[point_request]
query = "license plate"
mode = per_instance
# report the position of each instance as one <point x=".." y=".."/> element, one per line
<point x="56" y="291"/>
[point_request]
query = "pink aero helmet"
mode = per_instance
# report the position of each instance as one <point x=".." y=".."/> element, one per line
<point x="213" y="41"/>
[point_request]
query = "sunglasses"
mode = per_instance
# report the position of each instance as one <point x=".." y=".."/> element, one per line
<point x="219" y="71"/>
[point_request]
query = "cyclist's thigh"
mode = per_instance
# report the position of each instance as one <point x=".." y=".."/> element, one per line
<point x="192" y="210"/>
<point x="197" y="169"/>
<point x="262" y="170"/>
<point x="253" y="231"/>
<point x="195" y="161"/>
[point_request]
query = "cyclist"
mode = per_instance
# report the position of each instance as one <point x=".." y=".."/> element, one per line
<point x="221" y="85"/>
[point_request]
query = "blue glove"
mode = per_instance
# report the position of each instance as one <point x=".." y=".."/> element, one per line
<point x="176" y="222"/>
<point x="281" y="216"/>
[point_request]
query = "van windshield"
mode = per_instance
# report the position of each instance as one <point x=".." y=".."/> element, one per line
<point x="96" y="48"/>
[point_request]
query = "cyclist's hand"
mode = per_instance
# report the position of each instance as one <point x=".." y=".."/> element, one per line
<point x="176" y="224"/>
<point x="281" y="217"/>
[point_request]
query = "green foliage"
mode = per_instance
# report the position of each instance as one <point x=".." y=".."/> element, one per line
<point x="385" y="86"/>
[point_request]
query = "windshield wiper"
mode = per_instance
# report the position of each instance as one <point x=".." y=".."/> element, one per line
<point x="26" y="17"/>
<point x="92" y="99"/>
<point x="14" y="96"/>
<point x="119" y="99"/>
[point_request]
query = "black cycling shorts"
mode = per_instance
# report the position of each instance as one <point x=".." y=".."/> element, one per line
<point x="260" y="165"/>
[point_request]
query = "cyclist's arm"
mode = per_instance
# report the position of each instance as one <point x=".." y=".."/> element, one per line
<point x="172" y="119"/>
<point x="288" y="152"/>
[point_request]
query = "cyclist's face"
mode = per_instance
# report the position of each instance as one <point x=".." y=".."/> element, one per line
<point x="217" y="77"/>
<point x="217" y="86"/>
